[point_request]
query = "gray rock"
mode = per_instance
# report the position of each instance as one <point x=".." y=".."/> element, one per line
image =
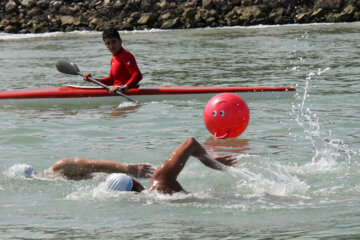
<point x="67" y="20"/>
<point x="28" y="3"/>
<point x="190" y="13"/>
<point x="11" y="6"/>
<point x="169" y="24"/>
<point x="207" y="4"/>
<point x="42" y="4"/>
<point x="34" y="12"/>
<point x="146" y="19"/>
<point x="328" y="4"/>
<point x="64" y="15"/>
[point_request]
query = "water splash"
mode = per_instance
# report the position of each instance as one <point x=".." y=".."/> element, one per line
<point x="126" y="104"/>
<point x="327" y="148"/>
<point x="17" y="171"/>
<point x="87" y="192"/>
<point x="322" y="71"/>
<point x="258" y="176"/>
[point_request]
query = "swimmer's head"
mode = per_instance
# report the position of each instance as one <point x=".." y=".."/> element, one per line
<point x="119" y="182"/>
<point x="25" y="170"/>
<point x="29" y="171"/>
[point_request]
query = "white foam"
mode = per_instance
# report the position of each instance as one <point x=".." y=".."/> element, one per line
<point x="151" y="30"/>
<point x="19" y="36"/>
<point x="126" y="104"/>
<point x="261" y="176"/>
<point x="17" y="171"/>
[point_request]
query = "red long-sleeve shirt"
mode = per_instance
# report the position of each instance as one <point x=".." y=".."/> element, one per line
<point x="124" y="70"/>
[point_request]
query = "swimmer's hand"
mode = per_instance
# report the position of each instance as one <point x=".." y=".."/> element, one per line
<point x="141" y="170"/>
<point x="227" y="160"/>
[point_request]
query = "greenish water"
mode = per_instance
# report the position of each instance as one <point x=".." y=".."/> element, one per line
<point x="298" y="174"/>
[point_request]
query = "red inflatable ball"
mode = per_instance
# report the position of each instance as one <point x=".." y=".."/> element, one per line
<point x="226" y="115"/>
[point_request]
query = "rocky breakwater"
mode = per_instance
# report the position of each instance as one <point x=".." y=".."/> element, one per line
<point x="36" y="16"/>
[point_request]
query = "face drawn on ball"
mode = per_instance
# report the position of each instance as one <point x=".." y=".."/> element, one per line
<point x="219" y="120"/>
<point x="222" y="113"/>
<point x="226" y="116"/>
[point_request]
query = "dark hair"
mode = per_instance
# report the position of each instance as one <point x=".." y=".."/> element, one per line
<point x="110" y="33"/>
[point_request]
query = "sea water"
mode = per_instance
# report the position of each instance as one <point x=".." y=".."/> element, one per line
<point x="298" y="170"/>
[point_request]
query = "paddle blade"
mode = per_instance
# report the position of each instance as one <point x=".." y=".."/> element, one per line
<point x="64" y="65"/>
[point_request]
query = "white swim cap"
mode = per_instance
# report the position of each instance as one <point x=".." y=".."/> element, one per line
<point x="119" y="182"/>
<point x="29" y="171"/>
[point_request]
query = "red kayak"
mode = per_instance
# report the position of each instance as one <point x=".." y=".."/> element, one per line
<point x="97" y="95"/>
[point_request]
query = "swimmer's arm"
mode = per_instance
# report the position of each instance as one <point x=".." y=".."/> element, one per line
<point x="217" y="162"/>
<point x="140" y="170"/>
<point x="81" y="166"/>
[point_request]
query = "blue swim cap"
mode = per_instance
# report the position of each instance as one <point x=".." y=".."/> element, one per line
<point x="29" y="171"/>
<point x="119" y="182"/>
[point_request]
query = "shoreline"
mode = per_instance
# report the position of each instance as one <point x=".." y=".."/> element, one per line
<point x="41" y="16"/>
<point x="49" y="34"/>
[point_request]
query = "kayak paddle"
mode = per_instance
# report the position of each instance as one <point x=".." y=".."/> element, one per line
<point x="65" y="65"/>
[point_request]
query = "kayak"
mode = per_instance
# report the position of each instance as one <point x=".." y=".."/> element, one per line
<point x="75" y="95"/>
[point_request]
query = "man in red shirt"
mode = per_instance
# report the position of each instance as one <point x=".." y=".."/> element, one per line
<point x="124" y="72"/>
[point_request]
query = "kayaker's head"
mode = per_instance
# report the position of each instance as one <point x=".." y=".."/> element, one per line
<point x="112" y="40"/>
